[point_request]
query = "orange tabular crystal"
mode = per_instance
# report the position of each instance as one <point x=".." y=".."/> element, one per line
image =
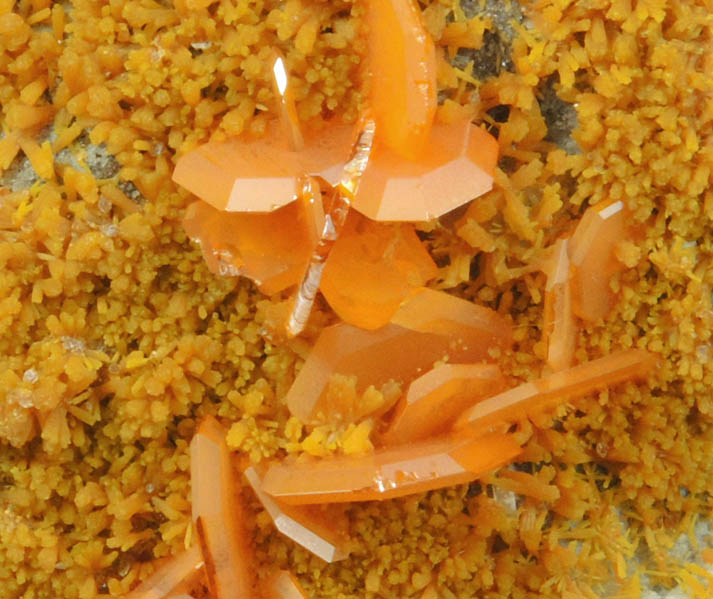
<point x="282" y="585"/>
<point x="218" y="515"/>
<point x="457" y="165"/>
<point x="559" y="327"/>
<point x="440" y="313"/>
<point x="260" y="175"/>
<point x="371" y="270"/>
<point x="402" y="64"/>
<point x="594" y="263"/>
<point x="392" y="472"/>
<point x="437" y="398"/>
<point x="271" y="249"/>
<point x="435" y="325"/>
<point x="304" y="525"/>
<point x="169" y="575"/>
<point x="548" y="392"/>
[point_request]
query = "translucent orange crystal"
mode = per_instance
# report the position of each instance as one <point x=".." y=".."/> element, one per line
<point x="388" y="473"/>
<point x="282" y="585"/>
<point x="435" y="399"/>
<point x="457" y="165"/>
<point x="402" y="65"/>
<point x="272" y="249"/>
<point x="594" y="263"/>
<point x="560" y="326"/>
<point x="169" y="575"/>
<point x="307" y="526"/>
<point x="261" y="175"/>
<point x="218" y="515"/>
<point x="548" y="392"/>
<point x="372" y="269"/>
<point x="434" y="326"/>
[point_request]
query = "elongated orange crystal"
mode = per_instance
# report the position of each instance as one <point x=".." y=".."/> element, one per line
<point x="305" y="525"/>
<point x="548" y="392"/>
<point x="392" y="472"/>
<point x="435" y="399"/>
<point x="282" y="585"/>
<point x="372" y="269"/>
<point x="560" y="326"/>
<point x="402" y="65"/>
<point x="434" y="326"/>
<point x="261" y="175"/>
<point x="594" y="263"/>
<point x="271" y="249"/>
<point x="167" y="578"/>
<point x="457" y="165"/>
<point x="218" y="516"/>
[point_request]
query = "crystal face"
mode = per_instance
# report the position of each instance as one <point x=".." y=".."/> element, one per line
<point x="261" y="175"/>
<point x="306" y="526"/>
<point x="435" y="399"/>
<point x="457" y="165"/>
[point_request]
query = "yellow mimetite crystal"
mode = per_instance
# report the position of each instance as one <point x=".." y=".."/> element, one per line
<point x="372" y="268"/>
<point x="282" y="585"/>
<point x="435" y="399"/>
<point x="594" y="263"/>
<point x="261" y="175"/>
<point x="428" y="327"/>
<point x="391" y="472"/>
<point x="546" y="393"/>
<point x="305" y="525"/>
<point x="457" y="165"/>
<point x="559" y="328"/>
<point x="218" y="516"/>
<point x="167" y="578"/>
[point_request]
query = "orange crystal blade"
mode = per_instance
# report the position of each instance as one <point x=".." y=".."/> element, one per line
<point x="371" y="270"/>
<point x="402" y="64"/>
<point x="261" y="175"/>
<point x="591" y="253"/>
<point x="392" y="472"/>
<point x="169" y="575"/>
<point x="435" y="325"/>
<point x="272" y="249"/>
<point x="457" y="165"/>
<point x="437" y="398"/>
<point x="282" y="585"/>
<point x="548" y="392"/>
<point x="560" y="327"/>
<point x="218" y="515"/>
<point x="440" y="313"/>
<point x="304" y="525"/>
